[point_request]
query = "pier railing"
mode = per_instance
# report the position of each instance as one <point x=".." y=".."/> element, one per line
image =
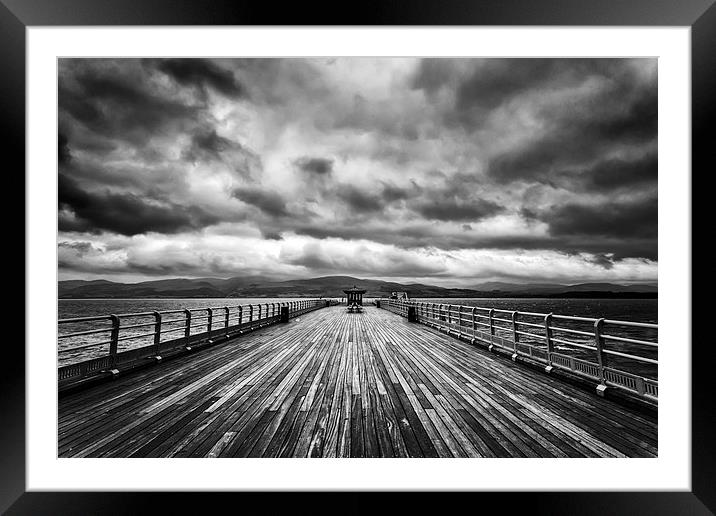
<point x="90" y="346"/>
<point x="618" y="354"/>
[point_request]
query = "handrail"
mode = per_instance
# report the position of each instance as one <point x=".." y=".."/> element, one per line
<point x="618" y="354"/>
<point x="127" y="338"/>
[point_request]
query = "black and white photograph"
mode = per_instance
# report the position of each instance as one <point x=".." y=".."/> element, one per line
<point x="357" y="257"/>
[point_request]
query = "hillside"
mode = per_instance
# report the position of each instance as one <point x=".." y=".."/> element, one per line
<point x="330" y="286"/>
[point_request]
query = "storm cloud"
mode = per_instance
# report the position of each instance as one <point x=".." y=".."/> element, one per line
<point x="202" y="74"/>
<point x="319" y="166"/>
<point x="123" y="213"/>
<point x="442" y="170"/>
<point x="268" y="202"/>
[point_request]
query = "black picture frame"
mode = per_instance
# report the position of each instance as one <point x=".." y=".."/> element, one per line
<point x="17" y="15"/>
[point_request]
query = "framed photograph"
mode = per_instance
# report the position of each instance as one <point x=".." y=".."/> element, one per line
<point x="435" y="248"/>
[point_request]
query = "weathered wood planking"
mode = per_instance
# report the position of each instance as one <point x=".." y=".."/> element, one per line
<point x="338" y="384"/>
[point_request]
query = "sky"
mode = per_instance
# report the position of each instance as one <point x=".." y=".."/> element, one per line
<point x="444" y="171"/>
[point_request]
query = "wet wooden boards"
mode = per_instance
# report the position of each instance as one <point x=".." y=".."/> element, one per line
<point x="337" y="384"/>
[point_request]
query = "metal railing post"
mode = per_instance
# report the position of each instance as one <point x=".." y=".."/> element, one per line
<point x="157" y="334"/>
<point x="187" y="327"/>
<point x="251" y="313"/>
<point x="241" y="315"/>
<point x="259" y="317"/>
<point x="210" y="313"/>
<point x="515" y="335"/>
<point x="599" y="342"/>
<point x="491" y="315"/>
<point x="114" y="337"/>
<point x="474" y="323"/>
<point x="548" y="339"/>
<point x="226" y="320"/>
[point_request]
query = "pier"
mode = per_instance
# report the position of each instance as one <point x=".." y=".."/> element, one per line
<point x="399" y="379"/>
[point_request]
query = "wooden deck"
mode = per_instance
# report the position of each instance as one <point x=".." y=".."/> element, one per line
<point x="338" y="384"/>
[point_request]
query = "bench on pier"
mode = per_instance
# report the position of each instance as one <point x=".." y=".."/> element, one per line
<point x="355" y="307"/>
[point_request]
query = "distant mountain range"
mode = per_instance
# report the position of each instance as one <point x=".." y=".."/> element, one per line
<point x="332" y="286"/>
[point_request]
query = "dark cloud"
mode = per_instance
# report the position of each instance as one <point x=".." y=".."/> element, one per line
<point x="211" y="142"/>
<point x="124" y="213"/>
<point x="63" y="149"/>
<point x="574" y="141"/>
<point x="320" y="166"/>
<point x="603" y="260"/>
<point x="454" y="200"/>
<point x="604" y="175"/>
<point x="208" y="145"/>
<point x="457" y="210"/>
<point x="270" y="203"/>
<point x="613" y="219"/>
<point x="496" y="81"/>
<point x="115" y="105"/>
<point x="202" y="73"/>
<point x="358" y="201"/>
<point x="491" y="82"/>
<point x="271" y="235"/>
<point x="622" y="115"/>
<point x="392" y="193"/>
<point x="80" y="247"/>
<point x="611" y="174"/>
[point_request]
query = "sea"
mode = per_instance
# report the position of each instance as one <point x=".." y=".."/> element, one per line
<point x="636" y="310"/>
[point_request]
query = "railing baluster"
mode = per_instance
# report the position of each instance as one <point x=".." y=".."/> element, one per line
<point x="515" y="335"/>
<point x="210" y="315"/>
<point x="598" y="341"/>
<point x="157" y="334"/>
<point x="548" y="338"/>
<point x="241" y="315"/>
<point x="474" y="323"/>
<point x="187" y="327"/>
<point x="226" y="320"/>
<point x="251" y="313"/>
<point x="114" y="337"/>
